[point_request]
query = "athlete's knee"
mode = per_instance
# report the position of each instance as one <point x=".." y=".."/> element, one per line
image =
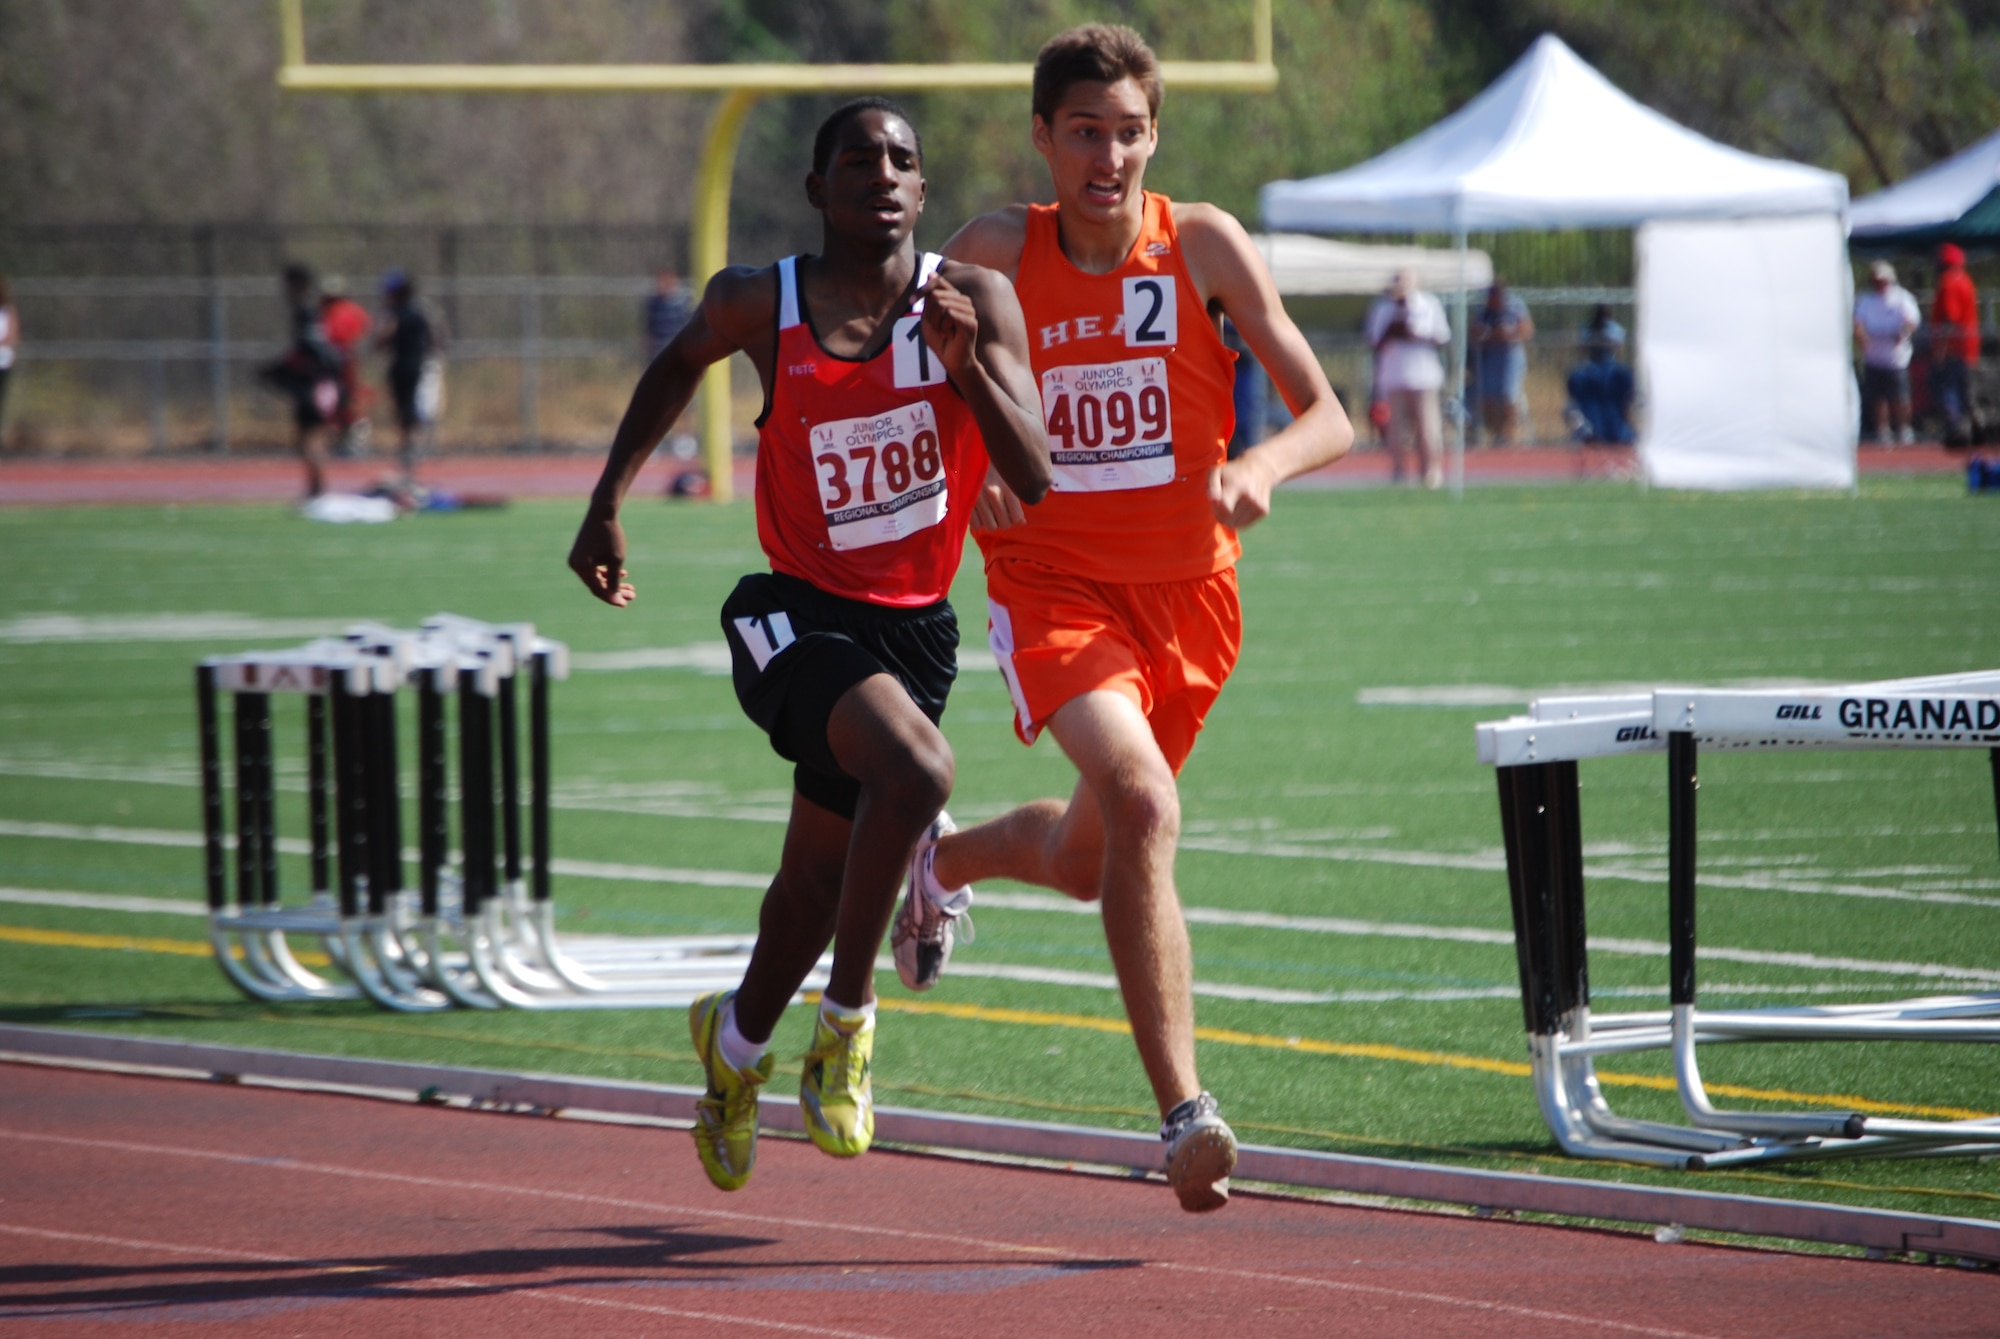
<point x="805" y="892"/>
<point x="1144" y="809"/>
<point x="914" y="779"/>
<point x="1078" y="874"/>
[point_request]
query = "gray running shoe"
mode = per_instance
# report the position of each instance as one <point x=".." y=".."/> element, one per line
<point x="1201" y="1153"/>
<point x="925" y="925"/>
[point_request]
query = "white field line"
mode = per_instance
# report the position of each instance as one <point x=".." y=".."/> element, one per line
<point x="1506" y="695"/>
<point x="1496" y="862"/>
<point x="45" y="628"/>
<point x="1051" y="902"/>
<point x="1053" y="976"/>
<point x="713" y="658"/>
<point x="582" y="869"/>
<point x="683" y="800"/>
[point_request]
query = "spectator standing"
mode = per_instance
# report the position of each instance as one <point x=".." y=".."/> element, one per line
<point x="668" y="308"/>
<point x="1500" y="333"/>
<point x="1885" y="319"/>
<point x="10" y="340"/>
<point x="416" y="369"/>
<point x="1601" y="387"/>
<point x="1406" y="326"/>
<point x="308" y="374"/>
<point x="347" y="325"/>
<point x="1954" y="344"/>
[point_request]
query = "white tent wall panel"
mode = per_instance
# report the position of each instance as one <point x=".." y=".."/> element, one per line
<point x="1746" y="364"/>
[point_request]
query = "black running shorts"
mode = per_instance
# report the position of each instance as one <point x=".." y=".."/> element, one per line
<point x="794" y="650"/>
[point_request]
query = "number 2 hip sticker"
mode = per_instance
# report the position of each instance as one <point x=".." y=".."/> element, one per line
<point x="1151" y="321"/>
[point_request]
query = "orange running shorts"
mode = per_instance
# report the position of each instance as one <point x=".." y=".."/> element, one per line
<point x="1168" y="646"/>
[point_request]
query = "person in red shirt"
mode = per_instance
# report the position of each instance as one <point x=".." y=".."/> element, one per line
<point x="1113" y="604"/>
<point x="347" y="322"/>
<point x="1954" y="342"/>
<point x="889" y="377"/>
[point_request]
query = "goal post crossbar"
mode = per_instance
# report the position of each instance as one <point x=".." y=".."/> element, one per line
<point x="742" y="86"/>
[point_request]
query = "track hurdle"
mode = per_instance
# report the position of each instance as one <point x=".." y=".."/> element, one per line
<point x="478" y="929"/>
<point x="1536" y="756"/>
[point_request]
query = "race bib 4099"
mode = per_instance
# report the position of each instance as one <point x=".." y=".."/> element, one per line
<point x="881" y="478"/>
<point x="1110" y="425"/>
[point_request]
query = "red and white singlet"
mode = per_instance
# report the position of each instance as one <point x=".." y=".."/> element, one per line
<point x="866" y="468"/>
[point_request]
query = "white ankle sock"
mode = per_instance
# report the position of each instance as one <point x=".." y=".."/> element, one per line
<point x="738" y="1052"/>
<point x="835" y="1012"/>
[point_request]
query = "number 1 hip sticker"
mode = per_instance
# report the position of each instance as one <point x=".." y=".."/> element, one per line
<point x="764" y="635"/>
<point x="1151" y="321"/>
<point x="916" y="365"/>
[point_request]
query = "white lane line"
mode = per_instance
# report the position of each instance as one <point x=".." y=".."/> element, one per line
<point x="289" y="1164"/>
<point x="161" y="1247"/>
<point x="384" y="1277"/>
<point x="1595" y="1323"/>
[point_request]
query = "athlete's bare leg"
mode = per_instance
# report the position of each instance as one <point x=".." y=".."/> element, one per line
<point x="313" y="457"/>
<point x="839" y="880"/>
<point x="1055" y="844"/>
<point x="796" y="922"/>
<point x="1114" y="839"/>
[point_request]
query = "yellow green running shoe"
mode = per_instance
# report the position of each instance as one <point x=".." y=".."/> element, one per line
<point x="725" y="1117"/>
<point x="836" y="1090"/>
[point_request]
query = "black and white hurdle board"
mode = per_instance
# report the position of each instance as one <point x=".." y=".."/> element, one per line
<point x="478" y="928"/>
<point x="1535" y="758"/>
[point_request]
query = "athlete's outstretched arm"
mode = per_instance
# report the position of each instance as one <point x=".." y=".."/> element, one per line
<point x="1229" y="272"/>
<point x="716" y="330"/>
<point x="973" y="320"/>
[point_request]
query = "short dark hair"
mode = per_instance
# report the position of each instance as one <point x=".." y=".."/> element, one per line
<point x="298" y="275"/>
<point x="829" y="129"/>
<point x="1096" y="53"/>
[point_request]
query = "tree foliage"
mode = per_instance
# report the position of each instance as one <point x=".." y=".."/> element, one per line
<point x="118" y="111"/>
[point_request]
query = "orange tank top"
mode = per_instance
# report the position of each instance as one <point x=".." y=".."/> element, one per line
<point x="1135" y="385"/>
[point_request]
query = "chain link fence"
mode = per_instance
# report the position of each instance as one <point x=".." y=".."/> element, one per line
<point x="149" y="340"/>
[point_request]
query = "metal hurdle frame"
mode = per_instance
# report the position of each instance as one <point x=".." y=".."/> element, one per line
<point x="248" y="929"/>
<point x="1535" y="758"/>
<point x="477" y="934"/>
<point x="516" y="950"/>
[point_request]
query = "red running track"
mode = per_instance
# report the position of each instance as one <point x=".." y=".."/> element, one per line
<point x="277" y="479"/>
<point x="131" y="1204"/>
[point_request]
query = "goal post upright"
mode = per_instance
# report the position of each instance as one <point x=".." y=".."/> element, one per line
<point x="742" y="87"/>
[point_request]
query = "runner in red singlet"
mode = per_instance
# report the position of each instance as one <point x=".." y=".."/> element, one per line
<point x="1113" y="603"/>
<point x="882" y="370"/>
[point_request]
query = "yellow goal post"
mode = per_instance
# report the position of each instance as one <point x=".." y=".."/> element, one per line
<point x="742" y="87"/>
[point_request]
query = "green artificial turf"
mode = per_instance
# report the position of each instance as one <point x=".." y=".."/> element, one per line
<point x="1304" y="799"/>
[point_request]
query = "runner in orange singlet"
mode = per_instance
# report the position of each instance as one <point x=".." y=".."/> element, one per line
<point x="1114" y="613"/>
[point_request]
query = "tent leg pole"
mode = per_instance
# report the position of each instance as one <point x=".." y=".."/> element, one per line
<point x="1458" y="353"/>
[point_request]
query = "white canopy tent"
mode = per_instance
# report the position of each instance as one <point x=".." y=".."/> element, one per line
<point x="1553" y="144"/>
<point x="1316" y="267"/>
<point x="1957" y="199"/>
